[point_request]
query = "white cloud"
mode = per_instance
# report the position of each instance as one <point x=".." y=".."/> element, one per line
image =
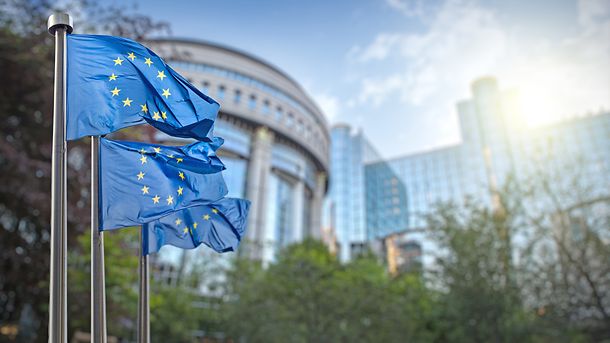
<point x="376" y="91"/>
<point x="410" y="8"/>
<point x="464" y="41"/>
<point x="329" y="105"/>
<point x="379" y="49"/>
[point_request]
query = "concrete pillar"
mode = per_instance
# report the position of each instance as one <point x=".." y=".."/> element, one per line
<point x="316" y="206"/>
<point x="259" y="169"/>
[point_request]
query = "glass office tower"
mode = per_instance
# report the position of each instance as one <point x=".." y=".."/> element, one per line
<point x="349" y="153"/>
<point x="367" y="200"/>
<point x="493" y="147"/>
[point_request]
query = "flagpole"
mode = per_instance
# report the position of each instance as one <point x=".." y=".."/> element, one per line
<point x="59" y="24"/>
<point x="98" y="287"/>
<point x="143" y="299"/>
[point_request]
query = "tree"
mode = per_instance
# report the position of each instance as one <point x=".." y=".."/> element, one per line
<point x="476" y="273"/>
<point x="565" y="272"/>
<point x="308" y="296"/>
<point x="533" y="268"/>
<point x="121" y="266"/>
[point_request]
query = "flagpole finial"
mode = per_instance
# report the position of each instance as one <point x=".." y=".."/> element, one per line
<point x="57" y="20"/>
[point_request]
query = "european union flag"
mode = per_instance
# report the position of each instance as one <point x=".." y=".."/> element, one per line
<point x="141" y="182"/>
<point x="219" y="225"/>
<point x="115" y="82"/>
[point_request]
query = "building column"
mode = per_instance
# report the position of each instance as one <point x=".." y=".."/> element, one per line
<point x="259" y="169"/>
<point x="298" y="208"/>
<point x="316" y="207"/>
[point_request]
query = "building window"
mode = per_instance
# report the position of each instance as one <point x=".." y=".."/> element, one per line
<point x="280" y="213"/>
<point x="252" y="102"/>
<point x="221" y="92"/>
<point x="290" y="119"/>
<point x="278" y="114"/>
<point x="236" y="179"/>
<point x="205" y="87"/>
<point x="266" y="107"/>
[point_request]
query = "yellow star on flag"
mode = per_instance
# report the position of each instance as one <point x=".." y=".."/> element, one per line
<point x="127" y="102"/>
<point x="156" y="116"/>
<point x="144" y="190"/>
<point x="144" y="108"/>
<point x="112" y="77"/>
<point x="140" y="175"/>
<point x="206" y="217"/>
<point x="157" y="150"/>
<point x="186" y="229"/>
<point x="195" y="225"/>
<point x="142" y="151"/>
<point x="115" y="91"/>
<point x="178" y="160"/>
<point x="166" y="93"/>
<point x="143" y="159"/>
<point x="178" y="221"/>
<point x="181" y="174"/>
<point x="118" y="61"/>
<point x="164" y="115"/>
<point x="214" y="210"/>
<point x="180" y="189"/>
<point x="131" y="56"/>
<point x="148" y="61"/>
<point x="155" y="199"/>
<point x="170" y="199"/>
<point x="161" y="74"/>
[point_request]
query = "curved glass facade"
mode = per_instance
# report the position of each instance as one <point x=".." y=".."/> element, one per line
<point x="275" y="142"/>
<point x="237" y="76"/>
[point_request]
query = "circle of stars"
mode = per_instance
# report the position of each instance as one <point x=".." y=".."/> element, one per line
<point x="127" y="102"/>
<point x="193" y="228"/>
<point x="171" y="199"/>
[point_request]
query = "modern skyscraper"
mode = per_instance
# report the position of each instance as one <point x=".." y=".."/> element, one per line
<point x="358" y="194"/>
<point x="494" y="145"/>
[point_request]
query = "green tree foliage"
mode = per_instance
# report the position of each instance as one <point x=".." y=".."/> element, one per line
<point x="308" y="296"/>
<point x="475" y="270"/>
<point x="121" y="266"/>
<point x="528" y="269"/>
<point x="177" y="312"/>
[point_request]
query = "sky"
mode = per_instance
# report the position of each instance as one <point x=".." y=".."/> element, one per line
<point x="397" y="68"/>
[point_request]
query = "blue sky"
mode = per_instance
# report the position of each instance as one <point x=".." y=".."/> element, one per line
<point x="396" y="68"/>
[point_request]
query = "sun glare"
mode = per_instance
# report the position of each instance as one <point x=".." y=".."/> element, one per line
<point x="545" y="95"/>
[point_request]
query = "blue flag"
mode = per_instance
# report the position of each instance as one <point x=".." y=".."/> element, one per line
<point x="141" y="182"/>
<point x="115" y="82"/>
<point x="219" y="225"/>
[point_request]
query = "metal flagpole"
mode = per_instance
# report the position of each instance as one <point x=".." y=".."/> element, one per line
<point x="98" y="287"/>
<point x="59" y="25"/>
<point x="143" y="299"/>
